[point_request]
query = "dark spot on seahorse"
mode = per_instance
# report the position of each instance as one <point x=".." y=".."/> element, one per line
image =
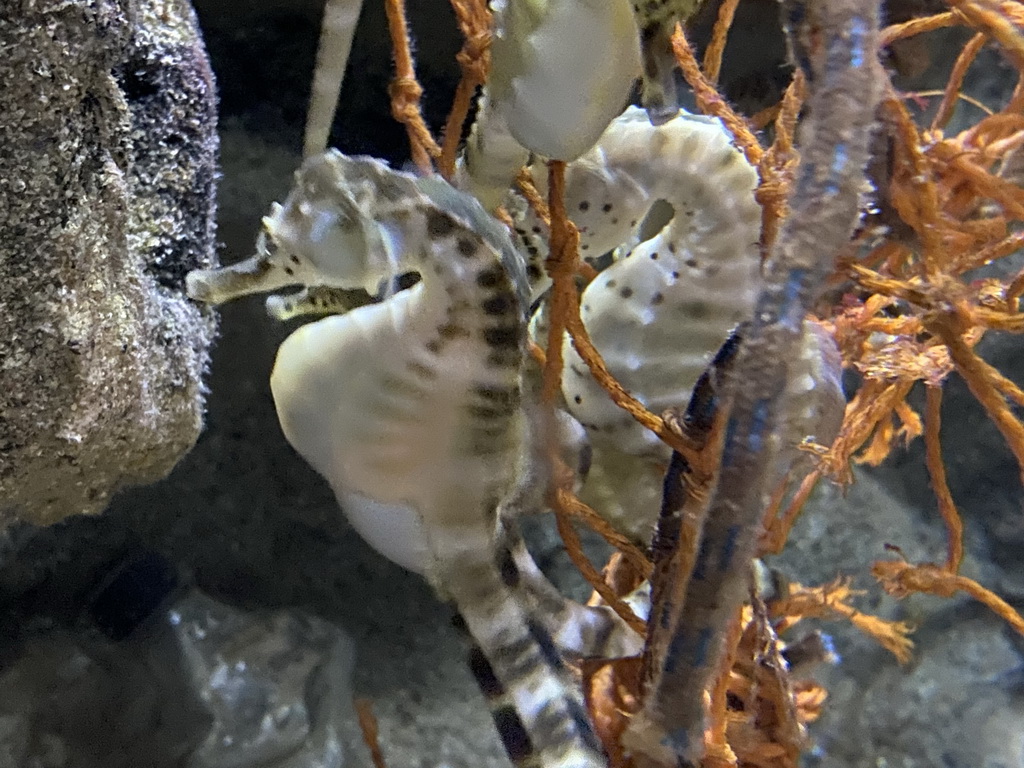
<point x="491" y="277"/>
<point x="694" y="309"/>
<point x="533" y="271"/>
<point x="611" y="284"/>
<point x="450" y="331"/>
<point x="672" y="248"/>
<point x="583" y="726"/>
<point x="728" y="158"/>
<point x="606" y="207"/>
<point x="506" y="358"/>
<point x="439" y="224"/>
<point x="434" y="346"/>
<point x="532" y="250"/>
<point x="489" y="440"/>
<point x="520" y="231"/>
<point x="466" y="247"/>
<point x="502" y="304"/>
<point x="488" y="443"/>
<point x="507" y="568"/>
<point x="657" y="299"/>
<point x="295" y="259"/>
<point x="584" y="206"/>
<point x="691" y="263"/>
<point x="423" y="371"/>
<point x="632" y="223"/>
<point x="577" y="399"/>
<point x="675" y="275"/>
<point x="508" y="396"/>
<point x="545" y="644"/>
<point x="577" y="371"/>
<point x="654" y="256"/>
<point x="615" y="219"/>
<point x="583" y="468"/>
<point x="502" y="335"/>
<point x="512" y="733"/>
<point x="488" y="412"/>
<point x="289" y="271"/>
<point x="626" y="293"/>
<point x="482" y="671"/>
<point x="586" y="307"/>
<point x="536" y="229"/>
<point x="458" y="622"/>
<point x="584" y="247"/>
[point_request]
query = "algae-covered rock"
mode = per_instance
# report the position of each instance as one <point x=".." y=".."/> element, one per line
<point x="107" y="124"/>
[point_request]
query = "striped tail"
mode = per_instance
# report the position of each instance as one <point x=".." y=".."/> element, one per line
<point x="535" y="700"/>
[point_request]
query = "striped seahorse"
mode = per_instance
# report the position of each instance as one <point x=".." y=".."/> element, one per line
<point x="411" y="408"/>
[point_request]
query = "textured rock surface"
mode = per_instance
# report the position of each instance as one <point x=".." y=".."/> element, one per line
<point x="108" y="128"/>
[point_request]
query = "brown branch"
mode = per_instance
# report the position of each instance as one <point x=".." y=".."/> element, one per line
<point x="980" y="380"/>
<point x="895" y="32"/>
<point x="574" y="549"/>
<point x="474" y="60"/>
<point x="710" y="101"/>
<point x="937" y="472"/>
<point x="956" y="81"/>
<point x="719" y="34"/>
<point x="900" y="579"/>
<point x="405" y="90"/>
<point x="368" y="726"/>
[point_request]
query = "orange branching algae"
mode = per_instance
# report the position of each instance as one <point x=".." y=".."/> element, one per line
<point x="369" y="730"/>
<point x="905" y="308"/>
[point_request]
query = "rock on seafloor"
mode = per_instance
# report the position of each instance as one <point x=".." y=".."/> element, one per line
<point x="201" y="684"/>
<point x="107" y="175"/>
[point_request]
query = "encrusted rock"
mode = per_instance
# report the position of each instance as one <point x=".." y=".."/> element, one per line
<point x="107" y="123"/>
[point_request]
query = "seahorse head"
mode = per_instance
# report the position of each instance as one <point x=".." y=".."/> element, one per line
<point x="332" y="230"/>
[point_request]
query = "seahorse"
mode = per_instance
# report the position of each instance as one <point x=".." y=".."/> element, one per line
<point x="561" y="71"/>
<point x="667" y="302"/>
<point x="412" y="407"/>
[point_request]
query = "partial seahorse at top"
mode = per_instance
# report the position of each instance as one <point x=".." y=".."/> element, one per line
<point x="561" y="71"/>
<point x="411" y="408"/>
<point x="656" y="21"/>
<point x="676" y="203"/>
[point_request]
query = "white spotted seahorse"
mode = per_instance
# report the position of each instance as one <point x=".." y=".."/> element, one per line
<point x="666" y="304"/>
<point x="411" y="408"/>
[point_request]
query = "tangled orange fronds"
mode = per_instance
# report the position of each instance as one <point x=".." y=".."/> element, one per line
<point x="758" y="712"/>
<point x="900" y="578"/>
<point x="831" y="601"/>
<point x="908" y="311"/>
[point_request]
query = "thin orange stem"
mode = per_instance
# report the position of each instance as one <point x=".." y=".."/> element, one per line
<point x="956" y="81"/>
<point x="405" y="90"/>
<point x="937" y="472"/>
<point x="719" y="35"/>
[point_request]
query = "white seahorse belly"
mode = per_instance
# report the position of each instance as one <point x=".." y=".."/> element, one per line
<point x="368" y="442"/>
